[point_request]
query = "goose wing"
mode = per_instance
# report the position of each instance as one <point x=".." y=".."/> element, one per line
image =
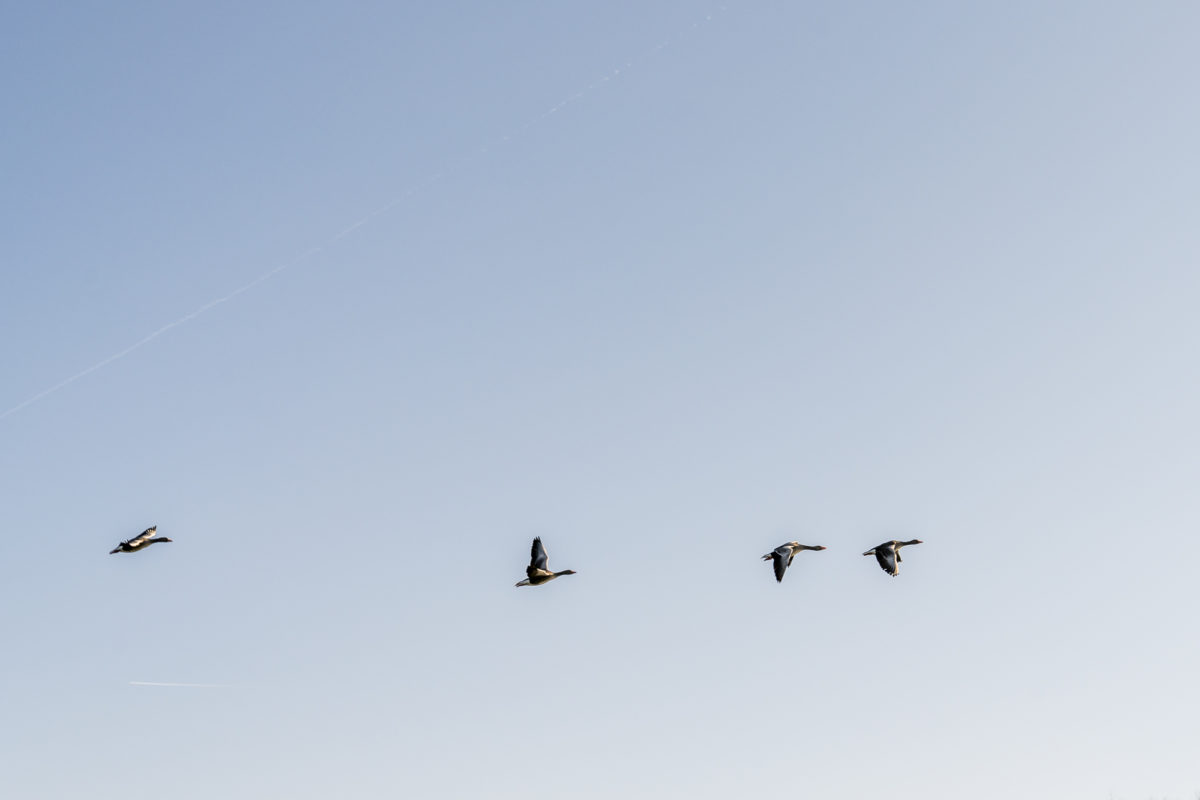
<point x="537" y="555"/>
<point x="885" y="554"/>
<point x="143" y="536"/>
<point x="781" y="559"/>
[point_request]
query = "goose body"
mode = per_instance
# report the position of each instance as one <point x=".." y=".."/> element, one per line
<point x="538" y="572"/>
<point x="888" y="554"/>
<point x="782" y="556"/>
<point x="139" y="542"/>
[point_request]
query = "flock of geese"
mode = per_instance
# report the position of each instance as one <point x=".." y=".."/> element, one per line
<point x="539" y="572"/>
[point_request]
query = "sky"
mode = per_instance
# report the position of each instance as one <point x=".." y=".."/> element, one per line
<point x="354" y="299"/>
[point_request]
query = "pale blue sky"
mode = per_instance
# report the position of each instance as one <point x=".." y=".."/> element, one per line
<point x="835" y="273"/>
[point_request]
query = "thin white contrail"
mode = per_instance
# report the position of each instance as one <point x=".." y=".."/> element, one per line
<point x="574" y="97"/>
<point x="184" y="685"/>
<point x="155" y="334"/>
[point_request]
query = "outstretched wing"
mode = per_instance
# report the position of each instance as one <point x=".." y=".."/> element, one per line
<point x="886" y="556"/>
<point x="144" y="535"/>
<point x="537" y="555"/>
<point x="781" y="559"/>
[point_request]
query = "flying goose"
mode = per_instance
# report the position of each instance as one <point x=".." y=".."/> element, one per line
<point x="888" y="554"/>
<point x="139" y="542"/>
<point x="783" y="555"/>
<point x="537" y="571"/>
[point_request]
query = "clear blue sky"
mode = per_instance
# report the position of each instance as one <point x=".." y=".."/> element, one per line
<point x="667" y="284"/>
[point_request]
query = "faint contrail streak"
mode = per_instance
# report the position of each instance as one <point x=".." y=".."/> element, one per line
<point x="533" y="121"/>
<point x="185" y="685"/>
<point x="155" y="334"/>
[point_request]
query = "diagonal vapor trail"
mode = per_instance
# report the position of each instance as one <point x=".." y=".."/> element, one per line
<point x="154" y="335"/>
<point x="574" y="97"/>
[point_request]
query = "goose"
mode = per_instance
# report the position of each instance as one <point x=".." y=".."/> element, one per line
<point x="139" y="542"/>
<point x="537" y="571"/>
<point x="783" y="555"/>
<point x="888" y="554"/>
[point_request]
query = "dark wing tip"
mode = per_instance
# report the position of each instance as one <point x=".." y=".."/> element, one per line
<point x="888" y="565"/>
<point x="537" y="553"/>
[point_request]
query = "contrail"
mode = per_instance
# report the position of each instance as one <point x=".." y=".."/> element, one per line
<point x="186" y="685"/>
<point x="574" y="97"/>
<point x="155" y="334"/>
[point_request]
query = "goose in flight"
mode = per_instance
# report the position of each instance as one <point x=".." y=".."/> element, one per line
<point x="139" y="542"/>
<point x="537" y="571"/>
<point x="783" y="555"/>
<point x="888" y="554"/>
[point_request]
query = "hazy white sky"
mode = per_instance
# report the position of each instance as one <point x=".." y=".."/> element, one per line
<point x="666" y="284"/>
